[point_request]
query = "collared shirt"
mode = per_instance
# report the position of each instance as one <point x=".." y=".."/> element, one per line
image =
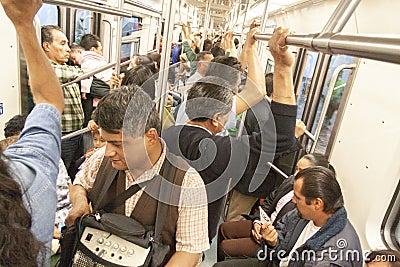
<point x="33" y="162"/>
<point x="192" y="225"/>
<point x="72" y="117"/>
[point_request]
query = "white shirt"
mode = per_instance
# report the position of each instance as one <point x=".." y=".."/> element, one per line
<point x="307" y="232"/>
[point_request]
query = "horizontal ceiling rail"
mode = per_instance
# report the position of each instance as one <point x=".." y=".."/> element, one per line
<point x="91" y="6"/>
<point x="376" y="47"/>
<point x="143" y="6"/>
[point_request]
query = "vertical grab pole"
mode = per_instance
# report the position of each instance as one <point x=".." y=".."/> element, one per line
<point x="244" y="20"/>
<point x="336" y="23"/>
<point x="263" y="28"/>
<point x="328" y="96"/>
<point x="165" y="56"/>
<point x="119" y="40"/>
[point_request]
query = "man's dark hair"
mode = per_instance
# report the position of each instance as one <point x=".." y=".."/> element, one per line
<point x="202" y="55"/>
<point x="227" y="68"/>
<point x="156" y="57"/>
<point x="47" y="33"/>
<point x="236" y="42"/>
<point x="217" y="51"/>
<point x="15" y="125"/>
<point x="146" y="61"/>
<point x="207" y="45"/>
<point x="130" y="104"/>
<point x="75" y="46"/>
<point x="142" y="76"/>
<point x="207" y="97"/>
<point x="89" y="40"/>
<point x="320" y="182"/>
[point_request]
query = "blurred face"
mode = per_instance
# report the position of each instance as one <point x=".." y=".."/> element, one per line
<point x="75" y="55"/>
<point x="306" y="211"/>
<point x="98" y="141"/>
<point x="114" y="149"/>
<point x="98" y="49"/>
<point x="203" y="65"/>
<point x="58" y="51"/>
<point x="303" y="164"/>
<point x="137" y="149"/>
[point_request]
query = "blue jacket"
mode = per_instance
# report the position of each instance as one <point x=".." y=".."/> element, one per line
<point x="33" y="162"/>
<point x="335" y="244"/>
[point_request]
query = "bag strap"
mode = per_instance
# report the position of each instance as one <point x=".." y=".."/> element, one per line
<point x="111" y="176"/>
<point x="170" y="173"/>
<point x="116" y="202"/>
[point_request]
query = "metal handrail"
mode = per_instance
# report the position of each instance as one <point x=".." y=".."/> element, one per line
<point x="86" y="5"/>
<point x="279" y="171"/>
<point x="143" y="6"/>
<point x="376" y="47"/>
<point x="340" y="16"/>
<point x="76" y="133"/>
<point x="94" y="72"/>
<point x="328" y="99"/>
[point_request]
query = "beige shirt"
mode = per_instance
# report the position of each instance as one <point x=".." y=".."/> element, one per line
<point x="192" y="224"/>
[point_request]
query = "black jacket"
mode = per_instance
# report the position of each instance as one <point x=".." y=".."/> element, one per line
<point x="243" y="160"/>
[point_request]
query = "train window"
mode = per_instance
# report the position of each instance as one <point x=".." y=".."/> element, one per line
<point x="334" y="103"/>
<point x="83" y="20"/>
<point x="306" y="82"/>
<point x="48" y="15"/>
<point x="130" y="25"/>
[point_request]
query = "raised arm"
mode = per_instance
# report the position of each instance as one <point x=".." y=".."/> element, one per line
<point x="254" y="89"/>
<point x="283" y="63"/>
<point x="43" y="81"/>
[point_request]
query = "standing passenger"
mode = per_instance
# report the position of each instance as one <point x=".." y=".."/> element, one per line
<point x="28" y="168"/>
<point x="55" y="46"/>
<point x="219" y="158"/>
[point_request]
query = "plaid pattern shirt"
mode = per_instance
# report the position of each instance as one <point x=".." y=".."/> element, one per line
<point x="192" y="225"/>
<point x="72" y="116"/>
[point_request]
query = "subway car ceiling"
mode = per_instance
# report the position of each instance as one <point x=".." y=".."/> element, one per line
<point x="364" y="129"/>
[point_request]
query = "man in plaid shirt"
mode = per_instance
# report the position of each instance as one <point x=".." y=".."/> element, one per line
<point x="55" y="46"/>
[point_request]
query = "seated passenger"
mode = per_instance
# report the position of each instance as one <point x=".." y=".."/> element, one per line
<point x="135" y="153"/>
<point x="242" y="238"/>
<point x="221" y="158"/>
<point x="316" y="233"/>
<point x="29" y="167"/>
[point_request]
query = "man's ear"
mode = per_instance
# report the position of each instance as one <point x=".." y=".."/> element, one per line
<point x="215" y="119"/>
<point x="318" y="203"/>
<point x="46" y="46"/>
<point x="152" y="136"/>
<point x="92" y="49"/>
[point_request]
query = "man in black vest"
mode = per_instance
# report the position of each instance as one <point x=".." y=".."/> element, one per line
<point x="130" y="124"/>
<point x="243" y="160"/>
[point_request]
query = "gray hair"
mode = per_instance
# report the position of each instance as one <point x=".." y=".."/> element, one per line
<point x="207" y="97"/>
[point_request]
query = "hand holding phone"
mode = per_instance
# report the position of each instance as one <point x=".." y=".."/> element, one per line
<point x="263" y="216"/>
